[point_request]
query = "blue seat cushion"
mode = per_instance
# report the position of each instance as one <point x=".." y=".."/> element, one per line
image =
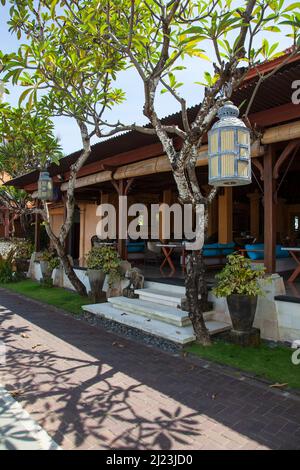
<point x="253" y="255"/>
<point x="227" y="248"/>
<point x="135" y="247"/>
<point x="211" y="249"/>
<point x="279" y="253"/>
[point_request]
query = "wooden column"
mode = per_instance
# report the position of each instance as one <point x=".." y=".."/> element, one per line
<point x="122" y="187"/>
<point x="269" y="210"/>
<point x="167" y="199"/>
<point x="37" y="230"/>
<point x="212" y="226"/>
<point x="281" y="218"/>
<point x="225" y="216"/>
<point x="254" y="213"/>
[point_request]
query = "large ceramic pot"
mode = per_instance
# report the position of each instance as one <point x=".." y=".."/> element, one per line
<point x="96" y="278"/>
<point x="242" y="310"/>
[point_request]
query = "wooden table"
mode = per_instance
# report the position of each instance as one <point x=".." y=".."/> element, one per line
<point x="295" y="253"/>
<point x="168" y="249"/>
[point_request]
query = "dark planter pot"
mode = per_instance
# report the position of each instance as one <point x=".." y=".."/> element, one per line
<point x="22" y="265"/>
<point x="242" y="310"/>
<point x="45" y="269"/>
<point x="96" y="278"/>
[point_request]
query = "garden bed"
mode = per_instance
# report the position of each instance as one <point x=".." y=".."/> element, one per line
<point x="56" y="296"/>
<point x="269" y="361"/>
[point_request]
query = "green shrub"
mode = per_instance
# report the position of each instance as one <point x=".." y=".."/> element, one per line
<point x="6" y="268"/>
<point x="23" y="249"/>
<point x="47" y="255"/>
<point x="238" y="277"/>
<point x="54" y="262"/>
<point x="106" y="259"/>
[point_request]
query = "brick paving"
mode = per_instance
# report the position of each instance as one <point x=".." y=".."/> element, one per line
<point x="90" y="389"/>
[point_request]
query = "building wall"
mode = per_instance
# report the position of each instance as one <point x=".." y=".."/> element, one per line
<point x="56" y="218"/>
<point x="88" y="224"/>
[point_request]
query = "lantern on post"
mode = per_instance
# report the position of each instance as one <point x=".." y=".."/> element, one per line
<point x="229" y="157"/>
<point x="45" y="187"/>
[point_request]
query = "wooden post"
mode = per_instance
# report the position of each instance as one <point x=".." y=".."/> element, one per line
<point x="122" y="187"/>
<point x="167" y="199"/>
<point x="269" y="211"/>
<point x="254" y="213"/>
<point x="37" y="230"/>
<point x="225" y="216"/>
<point x="212" y="226"/>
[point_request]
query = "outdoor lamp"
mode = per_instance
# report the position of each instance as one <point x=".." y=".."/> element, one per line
<point x="229" y="158"/>
<point x="45" y="187"/>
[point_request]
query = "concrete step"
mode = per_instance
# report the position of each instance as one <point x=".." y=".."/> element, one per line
<point x="178" y="334"/>
<point x="215" y="327"/>
<point x="160" y="297"/>
<point x="164" y="313"/>
<point x="181" y="335"/>
<point x="171" y="288"/>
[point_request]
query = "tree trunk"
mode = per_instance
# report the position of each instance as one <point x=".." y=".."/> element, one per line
<point x="197" y="295"/>
<point x="69" y="270"/>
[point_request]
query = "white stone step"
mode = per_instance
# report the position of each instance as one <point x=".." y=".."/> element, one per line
<point x="171" y="288"/>
<point x="181" y="335"/>
<point x="164" y="313"/>
<point x="160" y="297"/>
<point x="215" y="327"/>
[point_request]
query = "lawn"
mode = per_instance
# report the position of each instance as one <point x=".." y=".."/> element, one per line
<point x="271" y="363"/>
<point x="62" y="298"/>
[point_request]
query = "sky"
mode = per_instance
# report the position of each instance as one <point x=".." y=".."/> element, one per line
<point x="130" y="111"/>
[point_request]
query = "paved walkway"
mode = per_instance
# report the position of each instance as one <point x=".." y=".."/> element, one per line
<point x="18" y="431"/>
<point x="90" y="389"/>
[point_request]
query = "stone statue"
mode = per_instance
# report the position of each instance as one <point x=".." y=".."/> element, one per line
<point x="136" y="281"/>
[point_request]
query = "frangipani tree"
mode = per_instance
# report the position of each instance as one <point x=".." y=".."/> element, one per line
<point x="62" y="76"/>
<point x="155" y="37"/>
<point x="27" y="142"/>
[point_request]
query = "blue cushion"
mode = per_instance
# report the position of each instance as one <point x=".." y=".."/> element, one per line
<point x="281" y="253"/>
<point x="135" y="247"/>
<point x="226" y="245"/>
<point x="256" y="246"/>
<point x="211" y="249"/>
<point x="227" y="248"/>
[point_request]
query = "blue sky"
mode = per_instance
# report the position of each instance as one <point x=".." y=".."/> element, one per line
<point x="131" y="110"/>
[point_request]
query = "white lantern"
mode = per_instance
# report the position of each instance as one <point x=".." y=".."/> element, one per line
<point x="45" y="186"/>
<point x="229" y="158"/>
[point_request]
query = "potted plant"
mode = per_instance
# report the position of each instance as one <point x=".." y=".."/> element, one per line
<point x="23" y="252"/>
<point x="239" y="283"/>
<point x="46" y="260"/>
<point x="101" y="261"/>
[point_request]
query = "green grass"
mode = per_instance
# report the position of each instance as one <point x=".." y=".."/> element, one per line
<point x="62" y="298"/>
<point x="271" y="363"/>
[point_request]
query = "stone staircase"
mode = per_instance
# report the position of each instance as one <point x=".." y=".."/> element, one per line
<point x="156" y="312"/>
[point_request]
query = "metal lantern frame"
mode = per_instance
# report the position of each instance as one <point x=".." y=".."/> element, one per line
<point x="241" y="151"/>
<point x="45" y="194"/>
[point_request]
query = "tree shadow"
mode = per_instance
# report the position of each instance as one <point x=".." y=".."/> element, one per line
<point x="89" y="388"/>
<point x="74" y="399"/>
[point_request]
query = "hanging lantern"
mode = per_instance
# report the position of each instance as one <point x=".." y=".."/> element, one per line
<point x="45" y="186"/>
<point x="229" y="158"/>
